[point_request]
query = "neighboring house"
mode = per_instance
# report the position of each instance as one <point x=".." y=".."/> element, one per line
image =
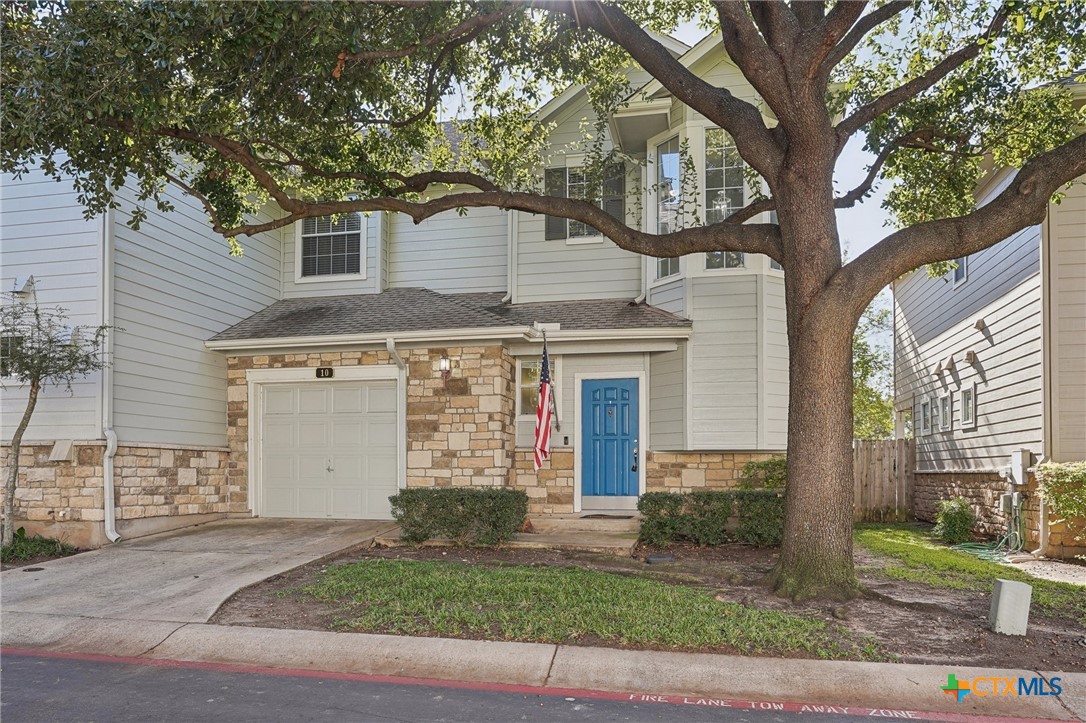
<point x="990" y="369"/>
<point x="336" y="362"/>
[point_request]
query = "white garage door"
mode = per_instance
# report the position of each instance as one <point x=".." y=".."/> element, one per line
<point x="328" y="450"/>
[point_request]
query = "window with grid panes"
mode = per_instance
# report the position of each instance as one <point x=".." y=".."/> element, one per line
<point x="332" y="245"/>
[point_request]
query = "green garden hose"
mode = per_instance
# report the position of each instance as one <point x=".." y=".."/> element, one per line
<point x="998" y="551"/>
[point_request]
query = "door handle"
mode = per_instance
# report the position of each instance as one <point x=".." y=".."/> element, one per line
<point x="330" y="468"/>
<point x="634" y="467"/>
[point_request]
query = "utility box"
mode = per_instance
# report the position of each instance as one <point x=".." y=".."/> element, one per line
<point x="1010" y="607"/>
<point x="1021" y="461"/>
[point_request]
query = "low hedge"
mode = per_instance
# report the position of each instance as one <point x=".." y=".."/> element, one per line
<point x="466" y="515"/>
<point x="702" y="517"/>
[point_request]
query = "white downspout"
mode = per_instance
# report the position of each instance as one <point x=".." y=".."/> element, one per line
<point x="509" y="270"/>
<point x="390" y="344"/>
<point x="108" y="506"/>
<point x="644" y="281"/>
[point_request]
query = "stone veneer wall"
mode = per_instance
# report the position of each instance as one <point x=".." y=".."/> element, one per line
<point x="460" y="433"/>
<point x="688" y="471"/>
<point x="550" y="490"/>
<point x="983" y="490"/>
<point x="150" y="481"/>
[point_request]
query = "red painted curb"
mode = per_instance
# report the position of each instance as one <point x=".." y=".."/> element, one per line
<point x="780" y="706"/>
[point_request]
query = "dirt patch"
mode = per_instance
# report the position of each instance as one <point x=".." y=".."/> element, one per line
<point x="912" y="623"/>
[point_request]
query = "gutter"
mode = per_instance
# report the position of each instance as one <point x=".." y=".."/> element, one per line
<point x="514" y="333"/>
<point x="108" y="488"/>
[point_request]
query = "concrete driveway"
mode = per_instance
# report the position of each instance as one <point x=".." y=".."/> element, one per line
<point x="181" y="576"/>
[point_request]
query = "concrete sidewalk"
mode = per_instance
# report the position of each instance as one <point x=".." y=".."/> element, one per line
<point x="179" y="576"/>
<point x="875" y="686"/>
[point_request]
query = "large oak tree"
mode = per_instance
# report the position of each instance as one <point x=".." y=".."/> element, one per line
<point x="334" y="107"/>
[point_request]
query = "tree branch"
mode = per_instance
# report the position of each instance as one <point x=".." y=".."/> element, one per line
<point x="891" y="99"/>
<point x="748" y="49"/>
<point x="465" y="29"/>
<point x="864" y="25"/>
<point x="1024" y="203"/>
<point x="742" y="120"/>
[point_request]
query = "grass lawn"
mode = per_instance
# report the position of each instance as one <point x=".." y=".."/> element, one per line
<point x="919" y="557"/>
<point x="34" y="548"/>
<point x="562" y="605"/>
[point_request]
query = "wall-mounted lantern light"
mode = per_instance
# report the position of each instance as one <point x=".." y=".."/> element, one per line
<point x="445" y="365"/>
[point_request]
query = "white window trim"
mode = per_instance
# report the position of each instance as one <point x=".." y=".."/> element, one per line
<point x="955" y="283"/>
<point x="972" y="422"/>
<point x="925" y="419"/>
<point x="360" y="276"/>
<point x="946" y="421"/>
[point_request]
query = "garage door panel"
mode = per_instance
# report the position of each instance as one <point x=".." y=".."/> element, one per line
<point x="313" y="400"/>
<point x="350" y="427"/>
<point x="348" y="400"/>
<point x="347" y="435"/>
<point x="382" y="398"/>
<point x="280" y="434"/>
<point x="279" y="400"/>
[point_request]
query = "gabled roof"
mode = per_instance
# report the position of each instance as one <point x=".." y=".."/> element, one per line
<point x="406" y="310"/>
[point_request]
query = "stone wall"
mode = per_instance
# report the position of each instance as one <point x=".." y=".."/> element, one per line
<point x="983" y="490"/>
<point x="66" y="498"/>
<point x="550" y="490"/>
<point x="688" y="471"/>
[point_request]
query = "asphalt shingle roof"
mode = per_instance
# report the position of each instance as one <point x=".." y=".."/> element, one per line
<point x="401" y="310"/>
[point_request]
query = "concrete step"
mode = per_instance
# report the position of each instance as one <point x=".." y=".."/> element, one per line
<point x="586" y="522"/>
<point x="604" y="543"/>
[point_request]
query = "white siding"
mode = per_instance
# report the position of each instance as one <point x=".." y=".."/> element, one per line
<point x="555" y="270"/>
<point x="43" y="233"/>
<point x="448" y="252"/>
<point x="330" y="286"/>
<point x="176" y="286"/>
<point x="667" y="399"/>
<point x="724" y="351"/>
<point x="934" y="321"/>
<point x="1065" y="277"/>
<point x="774" y="385"/>
<point x="670" y="296"/>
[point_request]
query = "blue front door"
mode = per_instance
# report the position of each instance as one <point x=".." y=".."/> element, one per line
<point x="609" y="428"/>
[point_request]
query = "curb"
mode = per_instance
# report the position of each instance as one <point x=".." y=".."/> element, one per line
<point x="881" y="689"/>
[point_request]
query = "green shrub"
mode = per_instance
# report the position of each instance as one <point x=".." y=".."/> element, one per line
<point x="23" y="547"/>
<point x="955" y="520"/>
<point x="702" y="517"/>
<point x="764" y="474"/>
<point x="662" y="520"/>
<point x="466" y="515"/>
<point x="1063" y="487"/>
<point x="761" y="516"/>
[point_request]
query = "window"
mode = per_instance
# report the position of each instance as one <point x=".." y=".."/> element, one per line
<point x="775" y="265"/>
<point x="723" y="191"/>
<point x="925" y="416"/>
<point x="667" y="267"/>
<point x="9" y="345"/>
<point x="331" y="245"/>
<point x="528" y="384"/>
<point x="946" y="422"/>
<point x="961" y="271"/>
<point x="573" y="182"/>
<point x="668" y="187"/>
<point x="968" y="402"/>
<point x="725" y="260"/>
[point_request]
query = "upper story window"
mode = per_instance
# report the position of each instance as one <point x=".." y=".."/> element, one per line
<point x="331" y="246"/>
<point x="961" y="270"/>
<point x="668" y="200"/>
<point x="9" y="346"/>
<point x="573" y="182"/>
<point x="724" y="185"/>
<point x="968" y="406"/>
<point x="775" y="265"/>
<point x="667" y="267"/>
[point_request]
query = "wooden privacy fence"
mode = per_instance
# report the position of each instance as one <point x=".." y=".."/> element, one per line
<point x="884" y="477"/>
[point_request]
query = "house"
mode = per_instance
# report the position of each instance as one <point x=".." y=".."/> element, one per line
<point x="339" y="360"/>
<point x="990" y="369"/>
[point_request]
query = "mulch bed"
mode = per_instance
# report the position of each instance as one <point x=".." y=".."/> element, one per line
<point x="913" y="623"/>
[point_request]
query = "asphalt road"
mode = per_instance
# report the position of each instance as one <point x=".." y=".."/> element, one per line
<point x="36" y="688"/>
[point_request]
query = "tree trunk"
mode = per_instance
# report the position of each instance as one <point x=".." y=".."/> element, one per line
<point x="816" y="552"/>
<point x="13" y="466"/>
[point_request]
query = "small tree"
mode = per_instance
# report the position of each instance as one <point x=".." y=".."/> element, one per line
<point x="872" y="405"/>
<point x="37" y="347"/>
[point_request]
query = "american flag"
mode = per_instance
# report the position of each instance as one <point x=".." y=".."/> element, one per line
<point x="543" y="411"/>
